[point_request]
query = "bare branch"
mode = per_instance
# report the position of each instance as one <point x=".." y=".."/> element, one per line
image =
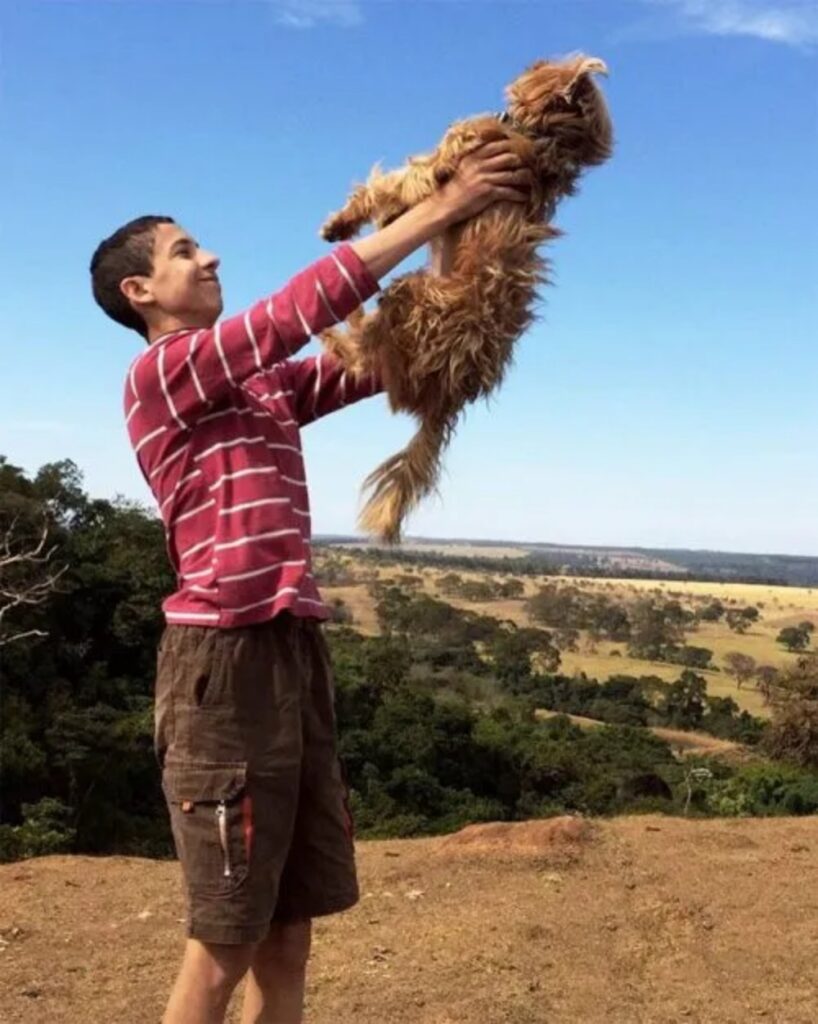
<point x="22" y="583"/>
<point x="20" y="636"/>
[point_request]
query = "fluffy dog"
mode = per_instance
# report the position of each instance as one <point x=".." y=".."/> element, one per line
<point x="442" y="339"/>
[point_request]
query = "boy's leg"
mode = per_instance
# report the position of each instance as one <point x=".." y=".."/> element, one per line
<point x="205" y="982"/>
<point x="275" y="985"/>
<point x="229" y="739"/>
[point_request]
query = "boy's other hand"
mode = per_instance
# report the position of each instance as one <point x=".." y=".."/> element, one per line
<point x="491" y="172"/>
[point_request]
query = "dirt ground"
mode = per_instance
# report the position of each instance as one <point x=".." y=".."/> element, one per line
<point x="643" y="920"/>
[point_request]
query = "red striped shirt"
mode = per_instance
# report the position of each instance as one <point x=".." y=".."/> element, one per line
<point x="214" y="417"/>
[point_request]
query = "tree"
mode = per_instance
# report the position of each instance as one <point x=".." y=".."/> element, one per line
<point x="27" y="578"/>
<point x="512" y="661"/>
<point x="712" y="612"/>
<point x="794" y="638"/>
<point x="793" y="731"/>
<point x="512" y="588"/>
<point x="683" y="703"/>
<point x="653" y="627"/>
<point x="766" y="676"/>
<point x="740" y="666"/>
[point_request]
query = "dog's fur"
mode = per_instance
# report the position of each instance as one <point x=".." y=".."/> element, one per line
<point x="443" y="338"/>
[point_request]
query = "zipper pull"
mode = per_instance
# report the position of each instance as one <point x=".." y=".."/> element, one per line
<point x="221" y="819"/>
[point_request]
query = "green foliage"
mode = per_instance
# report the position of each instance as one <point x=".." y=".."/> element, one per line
<point x="794" y="638"/>
<point x="764" y="790"/>
<point x="46" y="829"/>
<point x="682" y="705"/>
<point x="77" y="706"/>
<point x="711" y="612"/>
<point x="570" y="608"/>
<point x="436" y="717"/>
<point x="655" y="627"/>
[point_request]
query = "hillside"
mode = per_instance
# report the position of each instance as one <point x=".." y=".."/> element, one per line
<point x="779" y="607"/>
<point x="642" y="920"/>
<point x="678" y="563"/>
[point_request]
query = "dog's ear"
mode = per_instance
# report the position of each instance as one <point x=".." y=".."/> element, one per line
<point x="582" y="68"/>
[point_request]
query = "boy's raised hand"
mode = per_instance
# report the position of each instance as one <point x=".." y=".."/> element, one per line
<point x="491" y="172"/>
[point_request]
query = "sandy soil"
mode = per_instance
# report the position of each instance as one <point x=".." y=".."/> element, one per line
<point x="643" y="920"/>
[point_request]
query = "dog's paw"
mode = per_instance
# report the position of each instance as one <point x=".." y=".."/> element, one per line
<point x="338" y="228"/>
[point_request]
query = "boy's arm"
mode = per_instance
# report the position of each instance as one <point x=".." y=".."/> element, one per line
<point x="321" y="385"/>
<point x="185" y="374"/>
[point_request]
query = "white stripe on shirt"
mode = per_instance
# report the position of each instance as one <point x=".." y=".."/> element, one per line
<point x="186" y="515"/>
<point x="149" y="437"/>
<point x="199" y="616"/>
<point x="250" y="538"/>
<point x="317" y="390"/>
<point x="325" y="299"/>
<point x="192" y="366"/>
<point x="134" y="407"/>
<point x="196" y="547"/>
<point x="347" y="277"/>
<point x="168" y="460"/>
<point x="273" y="396"/>
<point x="217" y="337"/>
<point x="184" y="480"/>
<point x="133" y="381"/>
<point x="251" y="335"/>
<point x="260" y="572"/>
<point x="228" y="444"/>
<point x="284" y="447"/>
<point x="253" y="504"/>
<point x="242" y="472"/>
<point x="305" y="326"/>
<point x="267" y="600"/>
<point x="165" y="392"/>
<point x="221" y="412"/>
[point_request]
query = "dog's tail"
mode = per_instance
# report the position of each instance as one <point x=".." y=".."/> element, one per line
<point x="400" y="482"/>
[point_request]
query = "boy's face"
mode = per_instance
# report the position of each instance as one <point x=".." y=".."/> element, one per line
<point x="184" y="288"/>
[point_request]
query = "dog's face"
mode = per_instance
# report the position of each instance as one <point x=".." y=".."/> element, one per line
<point x="560" y="102"/>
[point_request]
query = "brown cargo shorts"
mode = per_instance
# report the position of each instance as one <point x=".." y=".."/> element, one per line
<point x="245" y="734"/>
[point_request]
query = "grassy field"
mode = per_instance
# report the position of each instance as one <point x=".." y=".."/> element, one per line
<point x="779" y="607"/>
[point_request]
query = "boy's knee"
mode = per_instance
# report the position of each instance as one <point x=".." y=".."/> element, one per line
<point x="219" y="967"/>
<point x="286" y="947"/>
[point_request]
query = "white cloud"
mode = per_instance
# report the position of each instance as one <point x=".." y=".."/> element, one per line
<point x="794" y="22"/>
<point x="309" y="13"/>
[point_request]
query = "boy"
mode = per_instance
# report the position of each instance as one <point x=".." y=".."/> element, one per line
<point x="245" y="724"/>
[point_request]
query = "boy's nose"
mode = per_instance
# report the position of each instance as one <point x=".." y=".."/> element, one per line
<point x="210" y="261"/>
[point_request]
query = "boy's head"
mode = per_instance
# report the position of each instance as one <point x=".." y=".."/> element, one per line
<point x="151" y="276"/>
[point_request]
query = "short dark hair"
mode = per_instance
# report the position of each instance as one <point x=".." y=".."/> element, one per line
<point x="129" y="250"/>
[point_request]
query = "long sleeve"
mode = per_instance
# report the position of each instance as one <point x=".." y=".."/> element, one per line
<point x="180" y="377"/>
<point x="320" y="386"/>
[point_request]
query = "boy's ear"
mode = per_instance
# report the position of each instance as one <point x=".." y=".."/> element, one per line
<point x="135" y="290"/>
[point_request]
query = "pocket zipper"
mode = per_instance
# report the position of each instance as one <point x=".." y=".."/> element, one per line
<point x="221" y="819"/>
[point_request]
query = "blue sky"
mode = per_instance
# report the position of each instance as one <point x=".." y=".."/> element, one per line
<point x="667" y="397"/>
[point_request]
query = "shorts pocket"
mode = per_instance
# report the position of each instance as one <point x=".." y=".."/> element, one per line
<point x="211" y="819"/>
